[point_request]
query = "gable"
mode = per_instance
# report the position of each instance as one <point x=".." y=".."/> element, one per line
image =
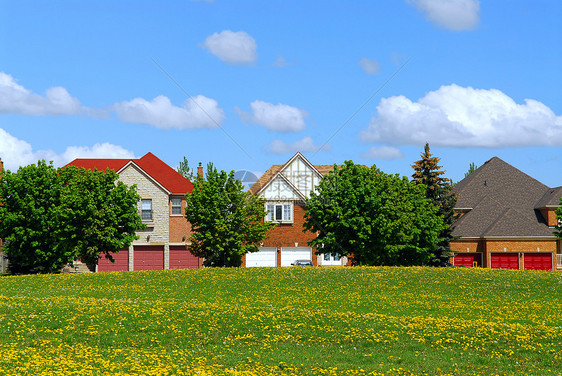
<point x="166" y="176"/>
<point x="292" y="181"/>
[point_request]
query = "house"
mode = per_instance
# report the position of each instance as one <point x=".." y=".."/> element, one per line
<point x="285" y="189"/>
<point x="163" y="244"/>
<point x="506" y="221"/>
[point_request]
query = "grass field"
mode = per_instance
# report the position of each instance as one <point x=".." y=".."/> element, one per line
<point x="283" y="321"/>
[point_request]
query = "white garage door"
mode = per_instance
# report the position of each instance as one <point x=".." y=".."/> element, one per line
<point x="291" y="254"/>
<point x="266" y="256"/>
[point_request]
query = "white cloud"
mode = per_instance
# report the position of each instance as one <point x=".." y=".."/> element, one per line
<point x="383" y="152"/>
<point x="16" y="99"/>
<point x="304" y="145"/>
<point x="281" y="62"/>
<point x="450" y="14"/>
<point x="369" y="66"/>
<point x="105" y="150"/>
<point x="15" y="152"/>
<point x="465" y="117"/>
<point x="196" y="112"/>
<point x="275" y="117"/>
<point x="232" y="47"/>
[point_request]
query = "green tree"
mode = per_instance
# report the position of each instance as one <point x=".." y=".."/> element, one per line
<point x="471" y="168"/>
<point x="372" y="217"/>
<point x="186" y="171"/>
<point x="30" y="208"/>
<point x="226" y="222"/>
<point x="100" y="213"/>
<point x="438" y="189"/>
<point x="51" y="217"/>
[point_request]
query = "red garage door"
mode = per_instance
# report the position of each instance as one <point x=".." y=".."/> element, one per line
<point x="181" y="258"/>
<point x="537" y="261"/>
<point x="505" y="260"/>
<point x="149" y="257"/>
<point x="467" y="259"/>
<point x="121" y="263"/>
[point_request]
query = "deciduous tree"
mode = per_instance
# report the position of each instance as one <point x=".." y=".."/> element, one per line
<point x="100" y="213"/>
<point x="226" y="222"/>
<point x="372" y="217"/>
<point x="51" y="217"/>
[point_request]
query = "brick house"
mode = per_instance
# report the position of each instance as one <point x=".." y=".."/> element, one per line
<point x="285" y="189"/>
<point x="162" y="245"/>
<point x="506" y="220"/>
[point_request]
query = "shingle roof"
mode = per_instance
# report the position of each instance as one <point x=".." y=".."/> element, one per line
<point x="550" y="198"/>
<point x="502" y="202"/>
<point x="169" y="178"/>
<point x="270" y="173"/>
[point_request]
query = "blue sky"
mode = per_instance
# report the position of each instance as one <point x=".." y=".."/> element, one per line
<point x="246" y="84"/>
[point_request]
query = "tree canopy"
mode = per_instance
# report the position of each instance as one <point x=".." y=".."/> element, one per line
<point x="226" y="222"/>
<point x="186" y="171"/>
<point x="427" y="172"/>
<point x="51" y="217"/>
<point x="373" y="217"/>
<point x="101" y="213"/>
<point x="471" y="168"/>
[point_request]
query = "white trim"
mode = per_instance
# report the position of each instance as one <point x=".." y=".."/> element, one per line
<point x="298" y="154"/>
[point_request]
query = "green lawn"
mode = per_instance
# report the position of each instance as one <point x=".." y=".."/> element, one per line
<point x="283" y="321"/>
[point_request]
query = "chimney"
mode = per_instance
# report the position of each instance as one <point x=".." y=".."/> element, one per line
<point x="200" y="170"/>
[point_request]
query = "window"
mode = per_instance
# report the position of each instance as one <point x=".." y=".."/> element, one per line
<point x="279" y="212"/>
<point x="146" y="209"/>
<point x="176" y="205"/>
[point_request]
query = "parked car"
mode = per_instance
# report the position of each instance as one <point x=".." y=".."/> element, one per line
<point x="302" y="263"/>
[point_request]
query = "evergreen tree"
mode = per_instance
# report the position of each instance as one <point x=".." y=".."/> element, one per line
<point x="438" y="190"/>
<point x="471" y="168"/>
<point x="186" y="171"/>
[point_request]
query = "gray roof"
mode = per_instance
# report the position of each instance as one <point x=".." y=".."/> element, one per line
<point x="503" y="201"/>
<point x="550" y="198"/>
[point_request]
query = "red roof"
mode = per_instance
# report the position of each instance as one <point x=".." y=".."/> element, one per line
<point x="169" y="178"/>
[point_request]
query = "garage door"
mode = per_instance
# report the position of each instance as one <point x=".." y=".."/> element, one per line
<point x="505" y="260"/>
<point x="121" y="263"/>
<point x="181" y="258"/>
<point x="467" y="259"/>
<point x="149" y="258"/>
<point x="291" y="254"/>
<point x="266" y="256"/>
<point x="537" y="261"/>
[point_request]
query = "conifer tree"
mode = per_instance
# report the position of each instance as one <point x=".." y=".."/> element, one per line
<point x="438" y="189"/>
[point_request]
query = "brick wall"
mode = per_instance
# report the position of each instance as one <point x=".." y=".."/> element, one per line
<point x="467" y="246"/>
<point x="487" y="247"/>
<point x="180" y="229"/>
<point x="521" y="246"/>
<point x="287" y="234"/>
<point x="549" y="216"/>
